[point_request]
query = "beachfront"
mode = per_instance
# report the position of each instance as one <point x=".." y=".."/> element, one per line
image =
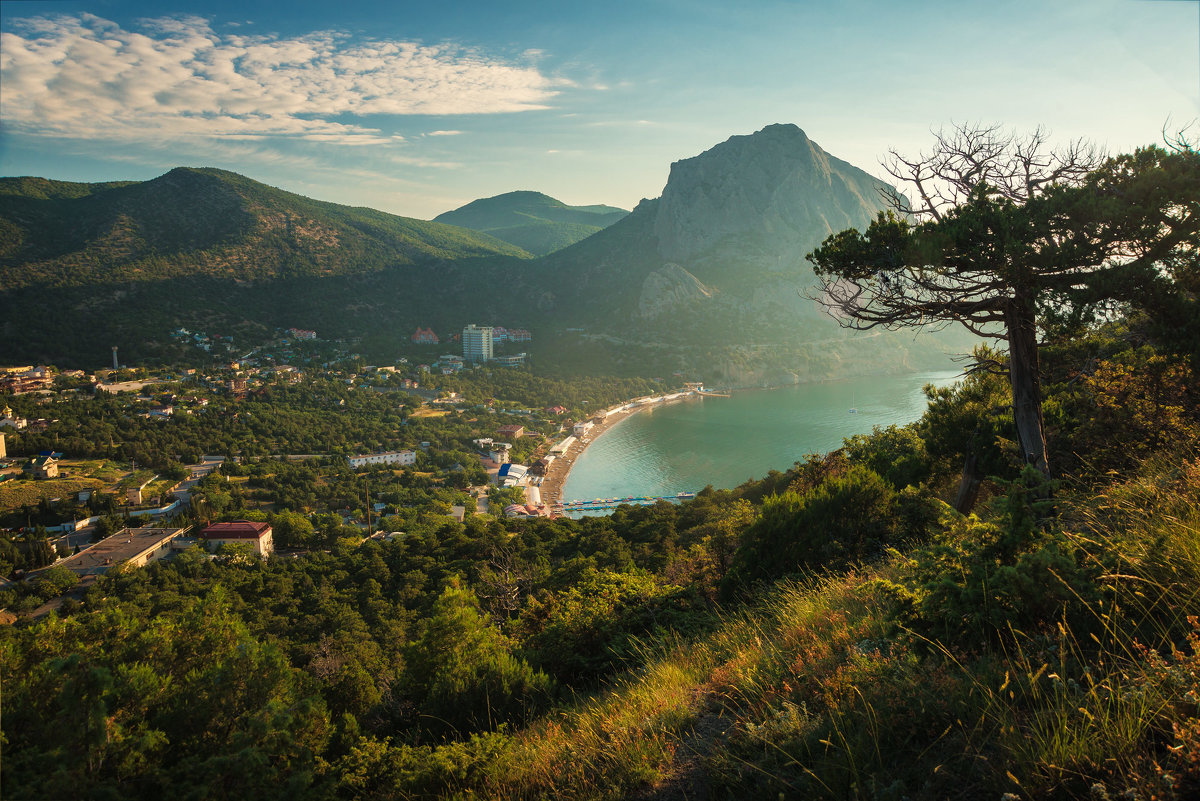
<point x="556" y="476"/>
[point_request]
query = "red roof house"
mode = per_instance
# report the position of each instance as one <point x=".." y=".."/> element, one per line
<point x="239" y="532"/>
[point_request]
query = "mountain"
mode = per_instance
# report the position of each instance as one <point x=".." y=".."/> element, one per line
<point x="205" y="222"/>
<point x="716" y="267"/>
<point x="709" y="279"/>
<point x="532" y="221"/>
<point x="211" y="250"/>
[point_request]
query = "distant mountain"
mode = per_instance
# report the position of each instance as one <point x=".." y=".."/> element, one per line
<point x="532" y="221"/>
<point x="708" y="280"/>
<point x="717" y="264"/>
<point x="205" y="223"/>
<point x="86" y="266"/>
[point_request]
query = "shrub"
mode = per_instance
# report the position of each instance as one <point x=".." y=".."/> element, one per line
<point x="844" y="519"/>
<point x="461" y="673"/>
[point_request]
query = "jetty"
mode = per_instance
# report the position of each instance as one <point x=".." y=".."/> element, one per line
<point x="597" y="504"/>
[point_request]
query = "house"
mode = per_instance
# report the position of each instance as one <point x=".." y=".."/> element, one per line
<point x="562" y="447"/>
<point x="556" y="410"/>
<point x="424" y="336"/>
<point x="241" y="532"/>
<point x="301" y="333"/>
<point x="584" y="427"/>
<point x="511" y="431"/>
<point x="41" y="467"/>
<point x="519" y="335"/>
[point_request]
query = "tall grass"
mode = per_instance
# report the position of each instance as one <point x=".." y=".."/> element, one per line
<point x="820" y="694"/>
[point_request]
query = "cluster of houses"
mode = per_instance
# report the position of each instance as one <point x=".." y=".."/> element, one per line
<point x="28" y="378"/>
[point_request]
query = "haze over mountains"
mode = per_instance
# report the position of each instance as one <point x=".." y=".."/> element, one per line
<point x="708" y="278"/>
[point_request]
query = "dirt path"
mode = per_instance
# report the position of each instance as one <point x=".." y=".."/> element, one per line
<point x="687" y="780"/>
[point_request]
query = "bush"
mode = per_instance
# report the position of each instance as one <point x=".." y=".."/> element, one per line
<point x="844" y="519"/>
<point x="898" y="455"/>
<point x="592" y="628"/>
<point x="984" y="579"/>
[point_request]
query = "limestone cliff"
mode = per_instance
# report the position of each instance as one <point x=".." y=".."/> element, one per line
<point x="763" y="200"/>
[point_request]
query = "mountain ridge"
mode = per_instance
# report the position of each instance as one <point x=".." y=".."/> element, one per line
<point x="532" y="220"/>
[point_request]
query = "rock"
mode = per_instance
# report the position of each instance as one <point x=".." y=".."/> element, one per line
<point x="669" y="288"/>
<point x="765" y="199"/>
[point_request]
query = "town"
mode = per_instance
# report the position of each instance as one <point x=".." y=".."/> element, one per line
<point x="127" y="465"/>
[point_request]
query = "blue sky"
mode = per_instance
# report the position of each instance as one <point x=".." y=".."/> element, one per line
<point x="416" y="108"/>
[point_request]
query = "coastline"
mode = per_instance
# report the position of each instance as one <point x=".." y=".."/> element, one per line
<point x="560" y="469"/>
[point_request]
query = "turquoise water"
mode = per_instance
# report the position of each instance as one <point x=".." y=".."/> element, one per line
<point x="685" y="446"/>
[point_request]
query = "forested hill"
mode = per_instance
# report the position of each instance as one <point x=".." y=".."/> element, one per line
<point x="535" y="222"/>
<point x="205" y="223"/>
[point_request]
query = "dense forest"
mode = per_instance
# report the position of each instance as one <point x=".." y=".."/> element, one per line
<point x="837" y="629"/>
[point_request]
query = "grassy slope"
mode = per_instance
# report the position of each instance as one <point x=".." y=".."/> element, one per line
<point x="813" y="693"/>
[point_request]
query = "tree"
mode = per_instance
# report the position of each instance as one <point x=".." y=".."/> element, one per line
<point x="1005" y="233"/>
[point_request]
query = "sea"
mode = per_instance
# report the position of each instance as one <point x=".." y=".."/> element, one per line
<point x="724" y="441"/>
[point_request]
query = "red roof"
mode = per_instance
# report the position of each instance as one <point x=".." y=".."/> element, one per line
<point x="236" y="530"/>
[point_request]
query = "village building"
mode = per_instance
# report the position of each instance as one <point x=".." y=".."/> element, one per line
<point x="241" y="532"/>
<point x="477" y="343"/>
<point x="134" y="547"/>
<point x="424" y="336"/>
<point x="406" y="457"/>
<point x="41" y="467"/>
<point x="11" y="420"/>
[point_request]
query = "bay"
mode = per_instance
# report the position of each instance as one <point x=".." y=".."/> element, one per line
<point x="685" y="446"/>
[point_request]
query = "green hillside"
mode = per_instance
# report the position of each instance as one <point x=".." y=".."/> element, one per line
<point x="211" y="250"/>
<point x="532" y="221"/>
<point x="205" y="223"/>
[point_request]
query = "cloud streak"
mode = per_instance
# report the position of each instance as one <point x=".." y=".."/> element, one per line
<point x="84" y="77"/>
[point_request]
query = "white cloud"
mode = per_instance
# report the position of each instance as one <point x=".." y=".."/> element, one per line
<point x="444" y="133"/>
<point x="85" y="77"/>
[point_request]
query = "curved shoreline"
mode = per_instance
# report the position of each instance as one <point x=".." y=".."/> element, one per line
<point x="560" y="469"/>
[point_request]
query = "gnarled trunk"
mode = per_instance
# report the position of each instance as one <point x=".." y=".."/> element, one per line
<point x="1026" y="383"/>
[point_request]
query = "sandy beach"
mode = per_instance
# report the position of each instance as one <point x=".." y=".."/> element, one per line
<point x="560" y="468"/>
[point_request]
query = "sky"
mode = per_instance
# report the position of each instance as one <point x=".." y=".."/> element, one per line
<point x="416" y="108"/>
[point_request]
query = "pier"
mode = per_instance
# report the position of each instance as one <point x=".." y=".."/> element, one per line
<point x="598" y="504"/>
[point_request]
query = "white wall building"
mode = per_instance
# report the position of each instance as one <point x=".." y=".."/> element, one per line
<point x="390" y="457"/>
<point x="477" y="343"/>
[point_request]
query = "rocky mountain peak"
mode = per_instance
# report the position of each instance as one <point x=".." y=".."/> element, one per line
<point x="770" y="196"/>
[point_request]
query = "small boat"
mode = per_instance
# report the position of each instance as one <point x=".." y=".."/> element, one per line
<point x="854" y="411"/>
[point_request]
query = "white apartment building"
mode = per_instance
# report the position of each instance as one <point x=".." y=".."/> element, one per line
<point x="477" y="343"/>
<point x="390" y="457"/>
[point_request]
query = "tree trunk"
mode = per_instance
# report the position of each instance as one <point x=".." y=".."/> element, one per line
<point x="968" y="486"/>
<point x="1026" y="383"/>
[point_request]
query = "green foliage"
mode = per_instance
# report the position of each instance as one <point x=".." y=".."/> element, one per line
<point x="462" y="674"/>
<point x="374" y="769"/>
<point x="128" y="705"/>
<point x="844" y="519"/>
<point x="898" y="455"/>
<point x="595" y="627"/>
<point x="981" y="580"/>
